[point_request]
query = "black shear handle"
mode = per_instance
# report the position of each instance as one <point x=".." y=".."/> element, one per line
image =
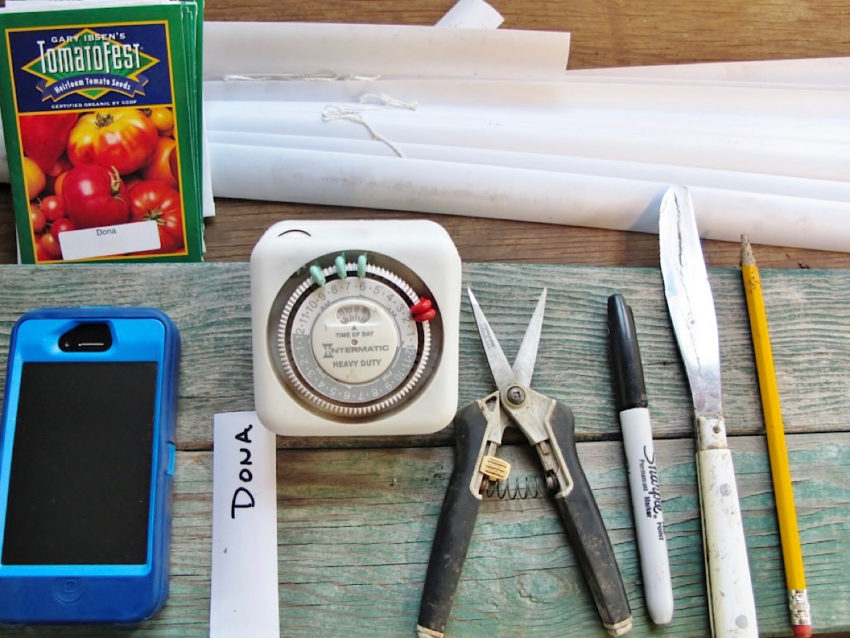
<point x="587" y="533"/>
<point x="457" y="521"/>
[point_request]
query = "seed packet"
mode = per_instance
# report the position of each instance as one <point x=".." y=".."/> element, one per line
<point x="101" y="107"/>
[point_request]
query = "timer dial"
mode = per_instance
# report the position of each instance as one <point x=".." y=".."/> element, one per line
<point x="346" y="343"/>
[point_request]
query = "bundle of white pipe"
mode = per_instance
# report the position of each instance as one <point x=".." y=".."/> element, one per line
<point x="487" y="123"/>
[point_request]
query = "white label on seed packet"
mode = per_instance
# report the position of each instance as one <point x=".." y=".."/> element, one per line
<point x="104" y="241"/>
<point x="243" y="587"/>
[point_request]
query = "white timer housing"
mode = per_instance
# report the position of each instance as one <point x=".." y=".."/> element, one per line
<point x="336" y="349"/>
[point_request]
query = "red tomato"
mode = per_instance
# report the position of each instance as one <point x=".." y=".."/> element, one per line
<point x="94" y="196"/>
<point x="123" y="138"/>
<point x="53" y="207"/>
<point x="37" y="219"/>
<point x="61" y="225"/>
<point x="57" y="182"/>
<point x="44" y="136"/>
<point x="157" y="201"/>
<point x="163" y="166"/>
<point x="40" y="253"/>
<point x="50" y="246"/>
<point x="61" y="165"/>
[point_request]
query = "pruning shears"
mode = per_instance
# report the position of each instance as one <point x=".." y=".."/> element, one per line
<point x="549" y="427"/>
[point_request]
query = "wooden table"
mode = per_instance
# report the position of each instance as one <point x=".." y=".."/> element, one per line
<point x="356" y="517"/>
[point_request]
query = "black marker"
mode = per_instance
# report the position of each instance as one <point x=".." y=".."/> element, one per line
<point x="640" y="459"/>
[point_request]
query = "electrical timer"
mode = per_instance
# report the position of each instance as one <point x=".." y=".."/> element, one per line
<point x="355" y="327"/>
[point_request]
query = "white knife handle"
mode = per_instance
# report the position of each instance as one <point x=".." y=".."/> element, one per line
<point x="731" y="603"/>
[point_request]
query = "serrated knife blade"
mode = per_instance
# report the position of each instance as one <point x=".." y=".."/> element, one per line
<point x="690" y="302"/>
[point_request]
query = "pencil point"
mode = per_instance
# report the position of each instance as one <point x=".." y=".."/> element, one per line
<point x="803" y="631"/>
<point x="747" y="257"/>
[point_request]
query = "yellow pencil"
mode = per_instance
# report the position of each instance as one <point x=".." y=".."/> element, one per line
<point x="795" y="578"/>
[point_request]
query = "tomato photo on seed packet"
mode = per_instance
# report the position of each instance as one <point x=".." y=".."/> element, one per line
<point x="38" y="220"/>
<point x="53" y="207"/>
<point x="44" y="136"/>
<point x="121" y="138"/>
<point x="34" y="178"/>
<point x="80" y="169"/>
<point x="94" y="196"/>
<point x="48" y="220"/>
<point x="163" y="166"/>
<point x="163" y="119"/>
<point x="154" y="200"/>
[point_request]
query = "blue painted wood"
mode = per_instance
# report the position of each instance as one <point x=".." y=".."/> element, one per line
<point x="356" y="517"/>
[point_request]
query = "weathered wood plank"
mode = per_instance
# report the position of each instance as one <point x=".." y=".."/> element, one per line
<point x="355" y="529"/>
<point x="356" y="525"/>
<point x="809" y="313"/>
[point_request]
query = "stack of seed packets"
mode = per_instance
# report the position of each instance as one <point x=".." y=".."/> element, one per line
<point x="101" y="104"/>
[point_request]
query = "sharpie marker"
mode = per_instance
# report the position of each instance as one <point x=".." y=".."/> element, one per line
<point x="640" y="459"/>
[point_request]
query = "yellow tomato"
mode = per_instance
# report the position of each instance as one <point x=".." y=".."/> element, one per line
<point x="34" y="178"/>
<point x="121" y="138"/>
<point x="162" y="118"/>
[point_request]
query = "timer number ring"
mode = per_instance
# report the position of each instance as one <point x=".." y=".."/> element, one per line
<point x="348" y="345"/>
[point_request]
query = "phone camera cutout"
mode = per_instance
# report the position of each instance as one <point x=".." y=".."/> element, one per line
<point x="87" y="337"/>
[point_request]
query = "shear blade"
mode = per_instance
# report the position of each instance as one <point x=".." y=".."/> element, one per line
<point x="527" y="355"/>
<point x="523" y="368"/>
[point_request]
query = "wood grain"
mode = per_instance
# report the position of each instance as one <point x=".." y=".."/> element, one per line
<point x="355" y="530"/>
<point x="356" y="516"/>
<point x="808" y="313"/>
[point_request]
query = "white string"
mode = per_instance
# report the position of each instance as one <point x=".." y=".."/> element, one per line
<point x="369" y="102"/>
<point x="355" y="114"/>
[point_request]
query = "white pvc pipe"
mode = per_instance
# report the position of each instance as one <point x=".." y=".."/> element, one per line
<point x="245" y="107"/>
<point x="509" y="95"/>
<point x="638" y="143"/>
<point x="800" y="72"/>
<point x="308" y="49"/>
<point x="646" y="171"/>
<point x="508" y="193"/>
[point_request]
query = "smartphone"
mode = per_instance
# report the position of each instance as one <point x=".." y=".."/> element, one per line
<point x="86" y="465"/>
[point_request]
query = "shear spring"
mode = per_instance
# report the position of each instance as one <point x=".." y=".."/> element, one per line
<point x="520" y="487"/>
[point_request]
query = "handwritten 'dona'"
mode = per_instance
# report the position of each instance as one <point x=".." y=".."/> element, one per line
<point x="242" y="497"/>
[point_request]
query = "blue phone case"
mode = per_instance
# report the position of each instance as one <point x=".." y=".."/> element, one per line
<point x="95" y="593"/>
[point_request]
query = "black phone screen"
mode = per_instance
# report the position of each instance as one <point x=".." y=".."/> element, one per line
<point x="80" y="479"/>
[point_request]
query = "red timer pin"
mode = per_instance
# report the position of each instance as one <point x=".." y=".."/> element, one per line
<point x="423" y="310"/>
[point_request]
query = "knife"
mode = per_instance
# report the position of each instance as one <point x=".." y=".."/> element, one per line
<point x="732" y="609"/>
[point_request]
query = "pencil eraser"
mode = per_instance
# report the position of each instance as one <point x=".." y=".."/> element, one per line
<point x="803" y="631"/>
